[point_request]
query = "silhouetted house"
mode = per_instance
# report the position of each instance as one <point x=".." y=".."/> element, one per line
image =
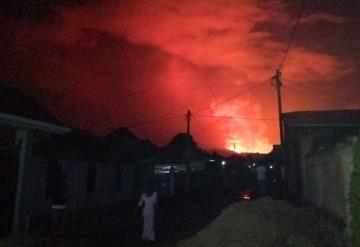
<point x="75" y="155"/>
<point x="98" y="172"/>
<point x="20" y="180"/>
<point x="174" y="163"/>
<point x="126" y="153"/>
<point x="318" y="150"/>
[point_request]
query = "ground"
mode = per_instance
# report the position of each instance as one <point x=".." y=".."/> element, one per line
<point x="197" y="221"/>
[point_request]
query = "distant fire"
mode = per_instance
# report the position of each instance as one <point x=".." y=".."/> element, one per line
<point x="241" y="133"/>
<point x="237" y="146"/>
<point x="246" y="195"/>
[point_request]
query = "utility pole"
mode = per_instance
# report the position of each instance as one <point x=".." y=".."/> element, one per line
<point x="278" y="85"/>
<point x="188" y="170"/>
<point x="188" y="120"/>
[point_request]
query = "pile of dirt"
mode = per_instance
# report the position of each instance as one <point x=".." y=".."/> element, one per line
<point x="261" y="223"/>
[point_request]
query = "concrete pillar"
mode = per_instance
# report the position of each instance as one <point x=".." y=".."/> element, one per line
<point x="23" y="140"/>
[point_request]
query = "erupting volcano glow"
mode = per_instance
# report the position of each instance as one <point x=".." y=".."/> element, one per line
<point x="237" y="146"/>
<point x="102" y="65"/>
<point x="241" y="135"/>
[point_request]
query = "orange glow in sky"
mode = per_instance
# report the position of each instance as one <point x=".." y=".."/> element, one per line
<point x="236" y="146"/>
<point x="143" y="64"/>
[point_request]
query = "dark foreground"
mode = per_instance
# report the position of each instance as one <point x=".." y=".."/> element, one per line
<point x="203" y="220"/>
<point x="177" y="218"/>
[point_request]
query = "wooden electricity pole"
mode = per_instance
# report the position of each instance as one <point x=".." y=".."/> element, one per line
<point x="188" y="171"/>
<point x="277" y="84"/>
<point x="188" y="120"/>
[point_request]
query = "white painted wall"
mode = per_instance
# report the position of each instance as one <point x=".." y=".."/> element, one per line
<point x="326" y="178"/>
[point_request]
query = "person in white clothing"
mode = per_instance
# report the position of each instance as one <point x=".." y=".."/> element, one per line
<point x="147" y="202"/>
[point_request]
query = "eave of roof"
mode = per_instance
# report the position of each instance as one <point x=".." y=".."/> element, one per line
<point x="23" y="123"/>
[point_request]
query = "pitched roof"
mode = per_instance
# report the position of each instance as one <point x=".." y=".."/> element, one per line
<point x="181" y="148"/>
<point x="123" y="144"/>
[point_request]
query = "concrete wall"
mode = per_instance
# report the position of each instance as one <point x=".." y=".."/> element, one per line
<point x="35" y="203"/>
<point x="326" y="177"/>
<point x="106" y="194"/>
<point x="76" y="181"/>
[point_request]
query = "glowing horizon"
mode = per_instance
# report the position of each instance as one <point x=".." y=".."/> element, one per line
<point x="108" y="64"/>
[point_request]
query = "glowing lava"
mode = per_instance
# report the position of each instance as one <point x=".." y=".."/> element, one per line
<point x="240" y="134"/>
<point x="237" y="146"/>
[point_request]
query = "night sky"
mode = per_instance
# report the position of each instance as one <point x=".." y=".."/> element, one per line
<point x="101" y="65"/>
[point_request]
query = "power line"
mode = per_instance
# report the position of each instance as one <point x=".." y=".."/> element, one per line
<point x="292" y="88"/>
<point x="156" y="120"/>
<point x="332" y="96"/>
<point x="356" y="83"/>
<point x="234" y="97"/>
<point x="242" y="118"/>
<point x="300" y="92"/>
<point x="173" y="117"/>
<point x="204" y="129"/>
<point x="292" y="34"/>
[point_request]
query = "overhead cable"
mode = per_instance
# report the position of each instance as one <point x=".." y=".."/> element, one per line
<point x="315" y="90"/>
<point x="204" y="129"/>
<point x="155" y="120"/>
<point x="233" y="97"/>
<point x="234" y="117"/>
<point x="292" y="36"/>
<point x="301" y="93"/>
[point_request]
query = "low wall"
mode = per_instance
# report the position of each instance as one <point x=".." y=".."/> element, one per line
<point x="326" y="178"/>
